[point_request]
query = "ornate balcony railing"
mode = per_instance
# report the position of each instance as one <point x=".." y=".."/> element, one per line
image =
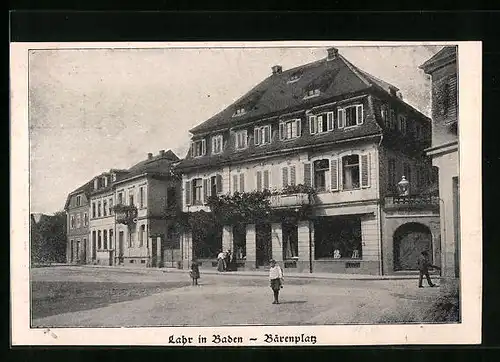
<point x="412" y="202"/>
<point x="290" y="200"/>
<point x="125" y="214"/>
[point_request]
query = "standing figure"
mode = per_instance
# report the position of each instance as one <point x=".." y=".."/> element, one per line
<point x="195" y="272"/>
<point x="227" y="260"/>
<point x="220" y="261"/>
<point x="423" y="266"/>
<point x="275" y="279"/>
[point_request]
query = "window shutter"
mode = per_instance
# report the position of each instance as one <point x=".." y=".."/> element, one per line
<point x="285" y="176"/>
<point x="259" y="181"/>
<point x="187" y="190"/>
<point x="359" y="114"/>
<point x="242" y="182"/>
<point x="266" y="179"/>
<point x="292" y="175"/>
<point x="218" y="181"/>
<point x="365" y="170"/>
<point x="307" y="174"/>
<point x="312" y="124"/>
<point x="330" y="121"/>
<point x="205" y="190"/>
<point x="235" y="183"/>
<point x="267" y="133"/>
<point x="256" y="134"/>
<point x="340" y="176"/>
<point x="298" y="127"/>
<point x="282" y="131"/>
<point x="334" y="173"/>
<point x="340" y="118"/>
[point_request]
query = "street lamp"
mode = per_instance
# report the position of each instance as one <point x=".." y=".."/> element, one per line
<point x="403" y="187"/>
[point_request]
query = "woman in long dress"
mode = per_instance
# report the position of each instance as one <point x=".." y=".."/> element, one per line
<point x="220" y="261"/>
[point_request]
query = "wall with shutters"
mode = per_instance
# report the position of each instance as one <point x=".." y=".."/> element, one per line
<point x="224" y="178"/>
<point x="442" y="132"/>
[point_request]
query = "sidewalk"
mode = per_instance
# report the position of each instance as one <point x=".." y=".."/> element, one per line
<point x="256" y="273"/>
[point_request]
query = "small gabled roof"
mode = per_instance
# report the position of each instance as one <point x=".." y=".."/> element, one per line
<point x="160" y="164"/>
<point x="445" y="55"/>
<point x="284" y="92"/>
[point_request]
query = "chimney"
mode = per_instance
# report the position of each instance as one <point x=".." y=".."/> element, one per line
<point x="332" y="53"/>
<point x="277" y="69"/>
<point x="150" y="156"/>
<point x="162" y="153"/>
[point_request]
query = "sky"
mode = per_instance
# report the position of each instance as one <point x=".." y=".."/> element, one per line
<point x="91" y="110"/>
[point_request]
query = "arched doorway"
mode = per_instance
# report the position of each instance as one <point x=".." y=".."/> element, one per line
<point x="409" y="241"/>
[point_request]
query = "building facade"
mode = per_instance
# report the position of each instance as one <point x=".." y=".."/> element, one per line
<point x="332" y="128"/>
<point x="442" y="68"/>
<point x="77" y="212"/>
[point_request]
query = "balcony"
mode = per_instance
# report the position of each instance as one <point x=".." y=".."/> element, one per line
<point x="291" y="200"/>
<point x="412" y="202"/>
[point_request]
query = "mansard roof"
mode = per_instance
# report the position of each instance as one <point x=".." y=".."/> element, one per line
<point x="286" y="91"/>
<point x="159" y="164"/>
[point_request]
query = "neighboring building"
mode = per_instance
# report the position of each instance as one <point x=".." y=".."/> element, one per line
<point x="77" y="212"/>
<point x="345" y="133"/>
<point x="146" y="236"/>
<point x="442" y="67"/>
<point x="102" y="218"/>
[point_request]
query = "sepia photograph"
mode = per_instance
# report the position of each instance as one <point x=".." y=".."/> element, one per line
<point x="253" y="185"/>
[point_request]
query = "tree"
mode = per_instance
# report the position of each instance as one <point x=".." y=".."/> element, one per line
<point x="48" y="239"/>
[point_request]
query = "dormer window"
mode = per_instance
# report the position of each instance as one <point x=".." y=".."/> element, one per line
<point x="241" y="139"/>
<point x="113" y="177"/>
<point x="321" y="123"/>
<point x="198" y="148"/>
<point x="262" y="135"/>
<point x="217" y="144"/>
<point x="350" y="116"/>
<point x="312" y="93"/>
<point x="239" y="111"/>
<point x="78" y="201"/>
<point x="96" y="184"/>
<point x="294" y="77"/>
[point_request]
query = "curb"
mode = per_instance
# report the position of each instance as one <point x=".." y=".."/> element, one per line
<point x="253" y="274"/>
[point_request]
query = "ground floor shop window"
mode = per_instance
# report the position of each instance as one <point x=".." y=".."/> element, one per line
<point x="338" y="237"/>
<point x="290" y="241"/>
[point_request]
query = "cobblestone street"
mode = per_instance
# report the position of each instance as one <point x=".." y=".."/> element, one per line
<point x="128" y="298"/>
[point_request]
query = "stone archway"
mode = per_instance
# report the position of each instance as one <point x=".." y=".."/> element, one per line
<point x="409" y="241"/>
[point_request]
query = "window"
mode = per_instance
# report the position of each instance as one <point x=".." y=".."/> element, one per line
<point x="402" y="124"/>
<point x="93" y="210"/>
<point x="241" y="139"/>
<point x="262" y="180"/>
<point x="120" y="198"/>
<point x="99" y="209"/>
<point x="171" y="197"/>
<point x="213" y="186"/>
<point x="384" y="114"/>
<point x="217" y="144"/>
<point x="85" y="219"/>
<point x="262" y="135"/>
<point x="338" y="237"/>
<point x="111" y="206"/>
<point x="104" y="208"/>
<point x="239" y="111"/>
<point x="288" y="176"/>
<point x="290" y="129"/>
<point x="392" y="119"/>
<point x="72" y="222"/>
<point x="78" y="200"/>
<point x="312" y="93"/>
<point x="105" y="239"/>
<point x="111" y="238"/>
<point x="142" y="234"/>
<point x="321" y="167"/>
<point x="99" y="240"/>
<point x="351" y="116"/>
<point x="141" y="197"/>
<point x="321" y="123"/>
<point x="350" y="174"/>
<point x="392" y="174"/>
<point x="131" y="197"/>
<point x="78" y="221"/>
<point x="131" y="240"/>
<point x="198" y="148"/>
<point x="197" y="191"/>
<point x="294" y="77"/>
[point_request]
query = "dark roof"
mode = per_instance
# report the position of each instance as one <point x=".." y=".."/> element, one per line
<point x="85" y="188"/>
<point x="447" y="53"/>
<point x="159" y="164"/>
<point x="277" y="93"/>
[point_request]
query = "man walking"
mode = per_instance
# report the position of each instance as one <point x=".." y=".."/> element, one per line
<point x="423" y="265"/>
